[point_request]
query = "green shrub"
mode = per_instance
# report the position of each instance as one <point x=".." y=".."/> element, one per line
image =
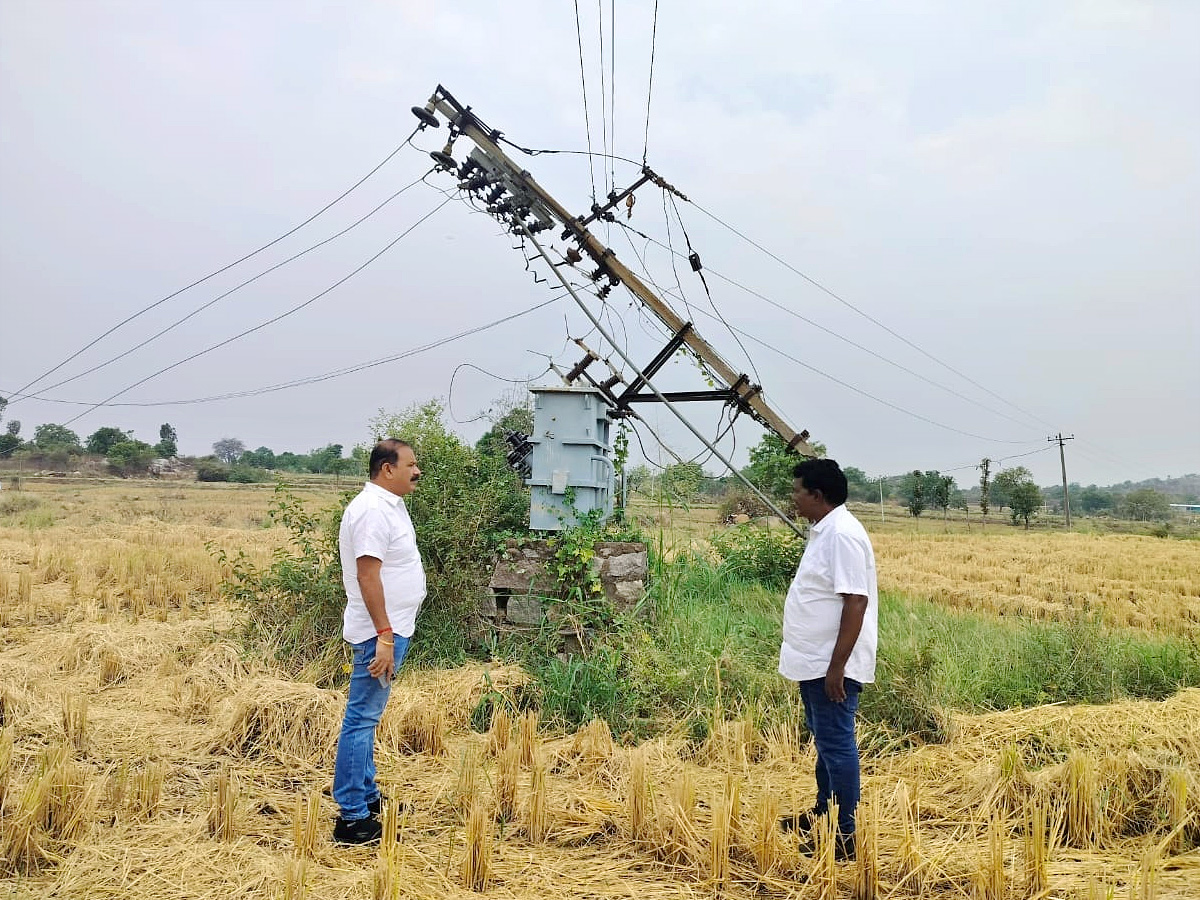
<point x="464" y="500"/>
<point x="768" y="556"/>
<point x="248" y="475"/>
<point x="211" y="469"/>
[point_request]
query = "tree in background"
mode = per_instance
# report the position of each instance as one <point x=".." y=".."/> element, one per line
<point x="1145" y="504"/>
<point x="130" y="457"/>
<point x="3" y="406"/>
<point x="168" y="441"/>
<point x="860" y="486"/>
<point x="1025" y="497"/>
<point x="262" y="458"/>
<point x="912" y="491"/>
<point x="680" y="481"/>
<point x="11" y="439"/>
<point x="771" y="464"/>
<point x="104" y="439"/>
<point x="1094" y="500"/>
<point x="56" y="437"/>
<point x="325" y="459"/>
<point x="1004" y="482"/>
<point x="228" y="450"/>
<point x="943" y="494"/>
<point x="985" y="485"/>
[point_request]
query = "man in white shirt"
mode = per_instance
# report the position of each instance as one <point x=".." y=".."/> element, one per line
<point x="385" y="585"/>
<point x="830" y="635"/>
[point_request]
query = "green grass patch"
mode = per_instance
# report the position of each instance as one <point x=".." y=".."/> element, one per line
<point x="712" y="650"/>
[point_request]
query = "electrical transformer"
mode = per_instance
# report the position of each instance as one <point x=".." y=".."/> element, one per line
<point x="571" y="458"/>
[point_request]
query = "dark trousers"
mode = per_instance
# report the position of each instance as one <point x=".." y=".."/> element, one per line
<point x="832" y="727"/>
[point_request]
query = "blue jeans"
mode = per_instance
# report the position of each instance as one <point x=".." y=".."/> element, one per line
<point x="832" y="727"/>
<point x="354" y="771"/>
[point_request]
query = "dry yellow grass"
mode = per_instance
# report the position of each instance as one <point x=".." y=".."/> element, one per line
<point x="1127" y="580"/>
<point x="141" y="755"/>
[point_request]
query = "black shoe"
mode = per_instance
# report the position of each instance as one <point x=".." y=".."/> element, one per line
<point x="800" y="822"/>
<point x="375" y="807"/>
<point x="843" y="848"/>
<point x="357" y="831"/>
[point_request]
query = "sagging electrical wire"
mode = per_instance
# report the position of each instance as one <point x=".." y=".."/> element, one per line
<point x="232" y="290"/>
<point x="327" y="376"/>
<point x="829" y="292"/>
<point x="793" y="313"/>
<point x="268" y="322"/>
<point x="21" y="391"/>
<point x="484" y="413"/>
<point x="869" y="396"/>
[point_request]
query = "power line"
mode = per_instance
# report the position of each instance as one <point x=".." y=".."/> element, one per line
<point x="650" y="86"/>
<point x="791" y="312"/>
<point x="262" y="325"/>
<point x="20" y="392"/>
<point x="866" y="315"/>
<point x="863" y="393"/>
<point x="315" y="379"/>
<point x="612" y="87"/>
<point x="587" y="122"/>
<point x="603" y="92"/>
<point x="220" y="297"/>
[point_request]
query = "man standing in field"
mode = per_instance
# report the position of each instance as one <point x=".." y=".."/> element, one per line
<point x="385" y="584"/>
<point x="830" y="633"/>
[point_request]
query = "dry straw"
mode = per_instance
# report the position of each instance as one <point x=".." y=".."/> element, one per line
<point x="477" y="858"/>
<point x="866" y="875"/>
<point x="306" y="826"/>
<point x="726" y="812"/>
<point x="823" y="874"/>
<point x="528" y="735"/>
<point x="500" y="732"/>
<point x="637" y="796"/>
<point x="508" y="769"/>
<point x="222" y="806"/>
<point x="539" y="818"/>
<point x="764" y="836"/>
<point x="74" y="720"/>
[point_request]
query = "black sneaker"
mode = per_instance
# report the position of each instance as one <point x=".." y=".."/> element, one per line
<point x="843" y="848"/>
<point x="375" y="807"/>
<point x="357" y="831"/>
<point x="799" y="821"/>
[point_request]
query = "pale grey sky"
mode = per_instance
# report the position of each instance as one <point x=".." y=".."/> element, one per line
<point x="1011" y="187"/>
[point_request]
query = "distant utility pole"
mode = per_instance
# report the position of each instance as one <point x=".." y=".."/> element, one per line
<point x="1062" y="457"/>
<point x="881" y="519"/>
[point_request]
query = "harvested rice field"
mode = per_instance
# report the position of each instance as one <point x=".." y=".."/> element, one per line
<point x="142" y="754"/>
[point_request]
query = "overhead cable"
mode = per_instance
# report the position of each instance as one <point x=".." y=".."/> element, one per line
<point x="587" y="122"/>
<point x="232" y="290"/>
<point x="314" y="379"/>
<point x="650" y="85"/>
<point x="863" y="393"/>
<point x="213" y="274"/>
<point x="268" y="322"/>
<point x="793" y="313"/>
<point x="866" y="315"/>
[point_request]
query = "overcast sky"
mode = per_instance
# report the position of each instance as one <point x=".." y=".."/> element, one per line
<point x="1012" y="189"/>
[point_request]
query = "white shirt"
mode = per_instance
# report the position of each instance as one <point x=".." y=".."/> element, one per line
<point x="838" y="559"/>
<point x="376" y="523"/>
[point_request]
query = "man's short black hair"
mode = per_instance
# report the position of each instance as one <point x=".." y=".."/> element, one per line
<point x="386" y="451"/>
<point x="826" y="476"/>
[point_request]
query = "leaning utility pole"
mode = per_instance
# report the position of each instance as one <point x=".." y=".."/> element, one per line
<point x="1062" y="457"/>
<point x="512" y="196"/>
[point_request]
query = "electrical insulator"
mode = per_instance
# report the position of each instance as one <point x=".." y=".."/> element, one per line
<point x="426" y="116"/>
<point x="444" y="160"/>
<point x="694" y="259"/>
